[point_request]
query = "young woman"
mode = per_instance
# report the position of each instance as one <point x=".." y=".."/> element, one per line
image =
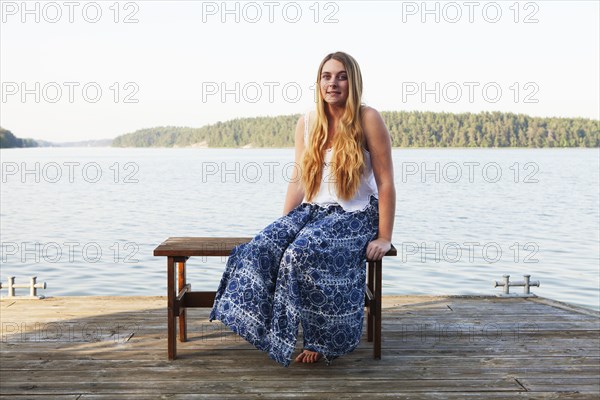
<point x="308" y="266"/>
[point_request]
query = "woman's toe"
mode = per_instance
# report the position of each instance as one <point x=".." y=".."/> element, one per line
<point x="300" y="357"/>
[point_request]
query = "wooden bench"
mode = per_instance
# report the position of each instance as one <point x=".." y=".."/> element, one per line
<point x="179" y="249"/>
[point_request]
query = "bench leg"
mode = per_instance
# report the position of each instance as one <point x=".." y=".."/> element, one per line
<point x="377" y="317"/>
<point x="182" y="310"/>
<point x="171" y="343"/>
<point x="370" y="268"/>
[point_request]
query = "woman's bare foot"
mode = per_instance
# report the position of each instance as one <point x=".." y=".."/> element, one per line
<point x="308" y="356"/>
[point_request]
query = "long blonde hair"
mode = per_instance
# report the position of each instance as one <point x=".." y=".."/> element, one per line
<point x="348" y="160"/>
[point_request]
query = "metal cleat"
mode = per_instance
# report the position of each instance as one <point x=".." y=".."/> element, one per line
<point x="33" y="286"/>
<point x="526" y="283"/>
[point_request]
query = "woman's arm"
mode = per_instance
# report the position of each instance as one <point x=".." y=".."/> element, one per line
<point x="295" y="191"/>
<point x="380" y="146"/>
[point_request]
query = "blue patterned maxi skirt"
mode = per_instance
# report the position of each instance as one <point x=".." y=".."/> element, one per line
<point x="306" y="267"/>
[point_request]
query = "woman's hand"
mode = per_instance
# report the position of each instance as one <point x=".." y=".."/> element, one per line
<point x="378" y="248"/>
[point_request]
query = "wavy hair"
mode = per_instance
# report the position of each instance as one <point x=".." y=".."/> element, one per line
<point x="348" y="160"/>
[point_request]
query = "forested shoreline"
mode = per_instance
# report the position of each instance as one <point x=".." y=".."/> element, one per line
<point x="407" y="129"/>
<point x="8" y="140"/>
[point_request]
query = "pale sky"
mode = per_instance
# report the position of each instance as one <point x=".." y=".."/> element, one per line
<point x="190" y="63"/>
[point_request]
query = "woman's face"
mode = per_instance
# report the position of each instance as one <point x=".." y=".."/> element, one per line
<point x="334" y="83"/>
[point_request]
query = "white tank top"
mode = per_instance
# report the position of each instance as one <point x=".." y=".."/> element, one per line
<point x="327" y="195"/>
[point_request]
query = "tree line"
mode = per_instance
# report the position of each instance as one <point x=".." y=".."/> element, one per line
<point x="8" y="140"/>
<point x="407" y="129"/>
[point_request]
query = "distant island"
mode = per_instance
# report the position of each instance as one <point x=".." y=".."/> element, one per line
<point x="82" y="143"/>
<point x="8" y="140"/>
<point x="407" y="129"/>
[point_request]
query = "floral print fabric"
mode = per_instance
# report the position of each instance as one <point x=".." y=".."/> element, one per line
<point x="308" y="268"/>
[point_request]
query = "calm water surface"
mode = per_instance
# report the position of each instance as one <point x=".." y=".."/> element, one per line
<point x="86" y="220"/>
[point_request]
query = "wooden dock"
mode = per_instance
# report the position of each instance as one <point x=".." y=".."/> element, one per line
<point x="444" y="347"/>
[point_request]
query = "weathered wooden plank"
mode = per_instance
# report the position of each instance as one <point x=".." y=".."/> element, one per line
<point x="62" y="396"/>
<point x="232" y="356"/>
<point x="199" y="326"/>
<point x="413" y="363"/>
<point x="584" y="384"/>
<point x="570" y="348"/>
<point x="247" y="372"/>
<point x="16" y="325"/>
<point x="397" y="395"/>
<point x="264" y="386"/>
<point x="484" y="307"/>
<point x="324" y="396"/>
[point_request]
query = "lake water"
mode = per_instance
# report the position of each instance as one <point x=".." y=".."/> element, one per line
<point x="86" y="220"/>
